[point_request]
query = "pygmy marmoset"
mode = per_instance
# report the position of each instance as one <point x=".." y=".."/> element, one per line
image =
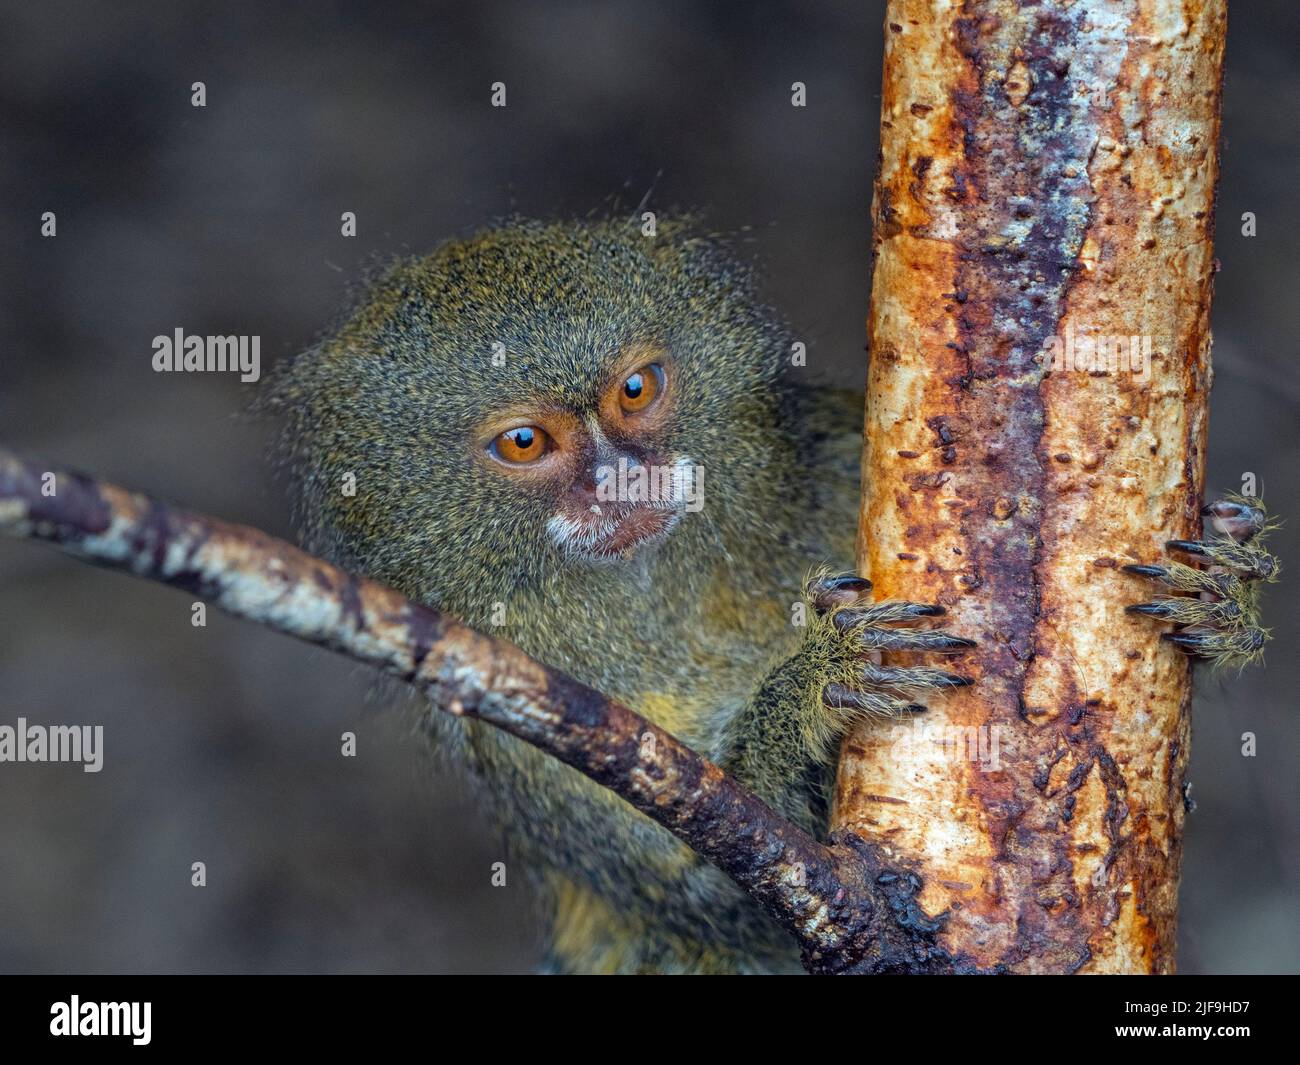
<point x="494" y="401"/>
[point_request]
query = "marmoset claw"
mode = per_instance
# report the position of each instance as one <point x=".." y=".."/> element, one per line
<point x="1221" y="622"/>
<point x="872" y="627"/>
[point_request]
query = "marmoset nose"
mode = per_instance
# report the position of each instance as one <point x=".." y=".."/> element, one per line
<point x="584" y="491"/>
<point x="608" y="480"/>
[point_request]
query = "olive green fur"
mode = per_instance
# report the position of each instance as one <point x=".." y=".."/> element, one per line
<point x="697" y="633"/>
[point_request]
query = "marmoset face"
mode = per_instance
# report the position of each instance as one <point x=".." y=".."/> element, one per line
<point x="536" y="397"/>
<point x="614" y="481"/>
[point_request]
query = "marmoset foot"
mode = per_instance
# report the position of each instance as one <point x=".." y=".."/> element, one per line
<point x="1218" y="617"/>
<point x="862" y="628"/>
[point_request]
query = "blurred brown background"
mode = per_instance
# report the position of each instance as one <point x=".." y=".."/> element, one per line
<point x="222" y="743"/>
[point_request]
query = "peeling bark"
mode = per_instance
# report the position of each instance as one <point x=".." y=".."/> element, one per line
<point x="1047" y="177"/>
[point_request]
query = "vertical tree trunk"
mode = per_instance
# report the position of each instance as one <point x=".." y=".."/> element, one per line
<point x="1047" y="184"/>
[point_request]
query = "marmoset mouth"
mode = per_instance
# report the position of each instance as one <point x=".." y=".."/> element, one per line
<point x="612" y="530"/>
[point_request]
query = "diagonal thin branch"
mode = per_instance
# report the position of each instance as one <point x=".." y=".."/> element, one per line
<point x="848" y="911"/>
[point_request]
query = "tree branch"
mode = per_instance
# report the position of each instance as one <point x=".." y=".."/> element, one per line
<point x="847" y="909"/>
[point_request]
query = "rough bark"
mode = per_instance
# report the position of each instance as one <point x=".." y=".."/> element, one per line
<point x="1047" y="171"/>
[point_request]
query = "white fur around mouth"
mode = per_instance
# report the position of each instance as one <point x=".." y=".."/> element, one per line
<point x="584" y="540"/>
<point x="588" y="539"/>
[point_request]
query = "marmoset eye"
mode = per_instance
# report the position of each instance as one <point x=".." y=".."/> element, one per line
<point x="521" y="445"/>
<point x="641" y="388"/>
